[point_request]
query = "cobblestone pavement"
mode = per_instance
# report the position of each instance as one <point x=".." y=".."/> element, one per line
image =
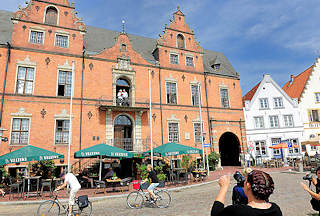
<point x="196" y="201"/>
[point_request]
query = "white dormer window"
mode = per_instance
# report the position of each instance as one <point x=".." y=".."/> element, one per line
<point x="264" y="103"/>
<point x="278" y="102"/>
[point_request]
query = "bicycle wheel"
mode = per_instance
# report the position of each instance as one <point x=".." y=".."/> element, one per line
<point x="87" y="210"/>
<point x="135" y="200"/>
<point x="48" y="208"/>
<point x="163" y="198"/>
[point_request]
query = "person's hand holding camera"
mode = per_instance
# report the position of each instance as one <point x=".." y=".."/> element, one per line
<point x="304" y="186"/>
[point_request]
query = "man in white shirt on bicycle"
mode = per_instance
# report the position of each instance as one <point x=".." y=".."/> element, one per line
<point x="71" y="181"/>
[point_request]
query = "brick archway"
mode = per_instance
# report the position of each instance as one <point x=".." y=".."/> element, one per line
<point x="229" y="148"/>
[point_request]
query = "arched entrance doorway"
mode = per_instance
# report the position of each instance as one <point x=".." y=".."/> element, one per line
<point x="229" y="148"/>
<point x="123" y="133"/>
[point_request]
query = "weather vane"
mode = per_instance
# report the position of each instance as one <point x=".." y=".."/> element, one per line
<point x="123" y="22"/>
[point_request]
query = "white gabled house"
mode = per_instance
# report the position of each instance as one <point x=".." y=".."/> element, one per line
<point x="306" y="88"/>
<point x="271" y="116"/>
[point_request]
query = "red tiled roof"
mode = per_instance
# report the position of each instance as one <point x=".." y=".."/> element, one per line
<point x="250" y="94"/>
<point x="295" y="89"/>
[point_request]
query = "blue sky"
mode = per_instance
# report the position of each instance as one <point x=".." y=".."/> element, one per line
<point x="257" y="36"/>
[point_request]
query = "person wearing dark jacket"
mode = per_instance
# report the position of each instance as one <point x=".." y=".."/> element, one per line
<point x="153" y="180"/>
<point x="257" y="187"/>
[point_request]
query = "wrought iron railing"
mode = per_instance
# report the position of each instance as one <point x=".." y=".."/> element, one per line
<point x="129" y="143"/>
<point x="105" y="100"/>
<point x="125" y="102"/>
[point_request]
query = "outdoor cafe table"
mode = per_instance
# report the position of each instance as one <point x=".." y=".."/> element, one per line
<point x="199" y="174"/>
<point x="113" y="182"/>
<point x="179" y="171"/>
<point x="29" y="179"/>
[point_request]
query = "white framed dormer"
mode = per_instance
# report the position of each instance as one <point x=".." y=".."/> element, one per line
<point x="37" y="35"/>
<point x="20" y="125"/>
<point x="171" y="81"/>
<point x="173" y="121"/>
<point x="66" y="67"/>
<point x="28" y="69"/>
<point x="174" y="58"/>
<point x="195" y="84"/>
<point x="61" y="39"/>
<point x="45" y="12"/>
<point x="189" y="63"/>
<point x="62" y="116"/>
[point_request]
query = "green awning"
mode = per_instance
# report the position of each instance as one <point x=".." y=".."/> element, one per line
<point x="103" y="150"/>
<point x="29" y="153"/>
<point x="171" y="149"/>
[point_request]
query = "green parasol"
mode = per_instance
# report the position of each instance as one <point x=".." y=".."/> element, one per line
<point x="171" y="149"/>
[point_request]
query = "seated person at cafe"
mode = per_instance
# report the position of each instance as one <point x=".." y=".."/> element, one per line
<point x="109" y="174"/>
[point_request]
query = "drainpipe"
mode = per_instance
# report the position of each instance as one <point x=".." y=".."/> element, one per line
<point x="160" y="104"/>
<point x="207" y="106"/>
<point x="5" y="80"/>
<point x="81" y="106"/>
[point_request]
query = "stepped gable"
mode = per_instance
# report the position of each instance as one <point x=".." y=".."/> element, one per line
<point x="177" y="27"/>
<point x="250" y="94"/>
<point x="295" y="88"/>
<point x="35" y="10"/>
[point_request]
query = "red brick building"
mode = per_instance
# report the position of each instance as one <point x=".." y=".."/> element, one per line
<point x="44" y="43"/>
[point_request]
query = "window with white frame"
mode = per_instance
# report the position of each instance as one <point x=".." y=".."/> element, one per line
<point x="292" y="150"/>
<point x="261" y="148"/>
<point x="171" y="88"/>
<point x="36" y="37"/>
<point x="174" y="58"/>
<point x="259" y="122"/>
<point x="288" y="120"/>
<point x="314" y="115"/>
<point x="274" y="121"/>
<point x="64" y="83"/>
<point x="313" y="148"/>
<point x="62" y="41"/>
<point x="20" y="131"/>
<point x="189" y="61"/>
<point x="62" y="131"/>
<point x="224" y="96"/>
<point x="264" y="103"/>
<point x="317" y="95"/>
<point x="195" y="95"/>
<point x="197" y="132"/>
<point x="276" y="141"/>
<point x="278" y="102"/>
<point x="25" y="79"/>
<point x="173" y="132"/>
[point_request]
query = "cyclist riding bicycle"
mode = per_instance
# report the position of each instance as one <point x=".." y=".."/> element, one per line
<point x="154" y="182"/>
<point x="71" y="181"/>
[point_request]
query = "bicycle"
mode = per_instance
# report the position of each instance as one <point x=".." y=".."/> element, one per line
<point x="137" y="198"/>
<point x="53" y="206"/>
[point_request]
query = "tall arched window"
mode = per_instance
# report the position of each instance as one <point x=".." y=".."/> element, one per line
<point x="123" y="92"/>
<point x="180" y="41"/>
<point x="51" y="16"/>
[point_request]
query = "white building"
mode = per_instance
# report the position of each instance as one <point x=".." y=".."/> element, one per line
<point x="306" y="88"/>
<point x="271" y="116"/>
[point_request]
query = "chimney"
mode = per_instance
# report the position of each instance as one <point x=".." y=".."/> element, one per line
<point x="291" y="78"/>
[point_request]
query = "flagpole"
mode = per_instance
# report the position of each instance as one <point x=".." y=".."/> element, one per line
<point x="201" y="129"/>
<point x="70" y="120"/>
<point x="150" y="117"/>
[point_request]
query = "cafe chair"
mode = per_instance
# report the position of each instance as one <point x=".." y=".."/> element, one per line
<point x="125" y="183"/>
<point x="46" y="183"/>
<point x="99" y="185"/>
<point x="14" y="185"/>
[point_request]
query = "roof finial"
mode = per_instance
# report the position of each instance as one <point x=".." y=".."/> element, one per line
<point x="123" y="22"/>
<point x="178" y="7"/>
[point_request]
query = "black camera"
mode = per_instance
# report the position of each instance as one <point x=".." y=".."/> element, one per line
<point x="307" y="177"/>
<point x="239" y="178"/>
